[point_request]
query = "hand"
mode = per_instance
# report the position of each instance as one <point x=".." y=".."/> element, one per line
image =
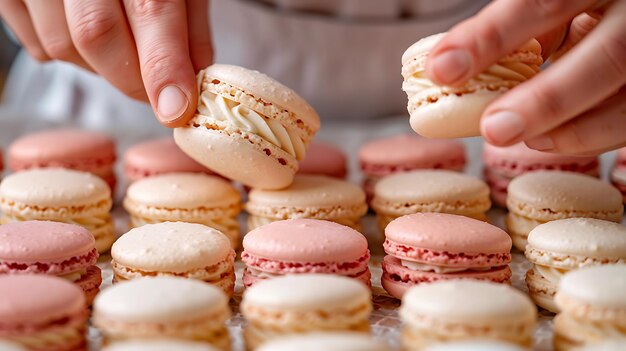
<point x="578" y="104"/>
<point x="148" y="49"/>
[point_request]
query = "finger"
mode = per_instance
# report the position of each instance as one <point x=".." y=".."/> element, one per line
<point x="552" y="41"/>
<point x="594" y="132"/>
<point x="50" y="25"/>
<point x="580" y="27"/>
<point x="15" y="14"/>
<point x="503" y="26"/>
<point x="592" y="71"/>
<point x="200" y="42"/>
<point x="160" y="31"/>
<point x="101" y="35"/>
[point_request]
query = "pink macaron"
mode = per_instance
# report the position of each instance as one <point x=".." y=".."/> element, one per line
<point x="53" y="248"/>
<point x="304" y="246"/>
<point x="159" y="156"/>
<point x="502" y="164"/>
<point x="42" y="313"/>
<point x="324" y="159"/>
<point x="429" y="247"/>
<point x="407" y="152"/>
<point x="618" y="175"/>
<point x="81" y="150"/>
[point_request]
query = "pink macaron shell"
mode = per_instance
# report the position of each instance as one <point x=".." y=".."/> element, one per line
<point x="45" y="247"/>
<point x="397" y="279"/>
<point x="90" y="283"/>
<point x="408" y="152"/>
<point x="159" y="156"/>
<point x="497" y="186"/>
<point x="324" y="159"/>
<point x="30" y="303"/>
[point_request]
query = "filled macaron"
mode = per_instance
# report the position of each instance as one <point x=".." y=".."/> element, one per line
<point x="454" y="112"/>
<point x="248" y="127"/>
<point x="159" y="345"/>
<point x="332" y="341"/>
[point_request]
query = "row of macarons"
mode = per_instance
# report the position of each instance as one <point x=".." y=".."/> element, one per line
<point x="41" y="312"/>
<point x="96" y="153"/>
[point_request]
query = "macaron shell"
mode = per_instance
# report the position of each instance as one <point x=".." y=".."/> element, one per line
<point x="159" y="345"/>
<point x="476" y="345"/>
<point x="329" y="341"/>
<point x="598" y="287"/>
<point x="324" y="159"/>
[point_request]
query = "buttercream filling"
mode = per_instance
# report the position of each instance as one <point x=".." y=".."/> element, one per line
<point x="91" y="223"/>
<point x="424" y="267"/>
<point x="212" y="106"/>
<point x="74" y="276"/>
<point x="551" y="274"/>
<point x="56" y="338"/>
<point x="600" y="329"/>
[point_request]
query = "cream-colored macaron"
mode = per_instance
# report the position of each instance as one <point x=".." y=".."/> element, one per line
<point x="309" y="196"/>
<point x="248" y="127"/>
<point x="476" y="345"/>
<point x="330" y="341"/>
<point x="608" y="345"/>
<point x="159" y="345"/>
<point x="561" y="246"/>
<point x="303" y="303"/>
<point x="185" y="197"/>
<point x="430" y="191"/>
<point x="543" y="196"/>
<point x="59" y="195"/>
<point x="466" y="309"/>
<point x="592" y="301"/>
<point x="163" y="307"/>
<point x="180" y="249"/>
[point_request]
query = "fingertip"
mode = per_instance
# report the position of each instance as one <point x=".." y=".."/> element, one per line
<point x="174" y="106"/>
<point x="449" y="67"/>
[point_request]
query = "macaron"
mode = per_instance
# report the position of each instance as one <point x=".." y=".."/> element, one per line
<point x="42" y="312"/>
<point x="428" y="247"/>
<point x="310" y="196"/>
<point x="163" y="307"/>
<point x="326" y="342"/>
<point x="185" y="197"/>
<point x="159" y="345"/>
<point x="592" y="301"/>
<point x="158" y="156"/>
<point x="543" y="196"/>
<point x="466" y="309"/>
<point x="82" y="150"/>
<point x="59" y="249"/>
<point x="608" y="345"/>
<point x="304" y="303"/>
<point x="454" y="112"/>
<point x="430" y="191"/>
<point x="304" y="246"/>
<point x="405" y="152"/>
<point x="558" y="247"/>
<point x="324" y="159"/>
<point x="10" y="346"/>
<point x="502" y="164"/>
<point x="254" y="129"/>
<point x="59" y="195"/>
<point x="476" y="345"/>
<point x="180" y="249"/>
<point x="618" y="175"/>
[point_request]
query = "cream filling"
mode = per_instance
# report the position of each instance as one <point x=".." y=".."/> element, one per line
<point x="91" y="223"/>
<point x="510" y="71"/>
<point x="423" y="267"/>
<point x="551" y="274"/>
<point x="74" y="276"/>
<point x="260" y="274"/>
<point x="600" y="329"/>
<point x="52" y="339"/>
<point x="213" y="106"/>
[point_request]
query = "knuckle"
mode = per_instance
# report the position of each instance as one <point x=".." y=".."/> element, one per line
<point x="61" y="49"/>
<point x="614" y="47"/>
<point x="547" y="8"/>
<point x="548" y="98"/>
<point x="93" y="28"/>
<point x="489" y="38"/>
<point x="150" y="8"/>
<point x="154" y="64"/>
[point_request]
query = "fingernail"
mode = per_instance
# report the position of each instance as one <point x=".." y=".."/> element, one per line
<point x="171" y="103"/>
<point x="451" y="65"/>
<point x="542" y="143"/>
<point x="502" y="127"/>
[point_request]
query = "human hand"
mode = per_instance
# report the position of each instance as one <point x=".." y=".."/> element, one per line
<point x="578" y="104"/>
<point x="148" y="49"/>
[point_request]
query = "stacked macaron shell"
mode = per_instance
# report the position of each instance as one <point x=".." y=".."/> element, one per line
<point x="304" y="303"/>
<point x="158" y="156"/>
<point x="175" y="249"/>
<point x="502" y="164"/>
<point x="251" y="125"/>
<point x="618" y="175"/>
<point x="59" y="195"/>
<point x="430" y="191"/>
<point x="42" y="312"/>
<point x="310" y="196"/>
<point x="40" y="247"/>
<point x="327" y="342"/>
<point x="606" y="345"/>
<point x="324" y="159"/>
<point x="543" y="196"/>
<point x="304" y="246"/>
<point x="428" y="247"/>
<point x="465" y="309"/>
<point x="159" y="345"/>
<point x="81" y="150"/>
<point x="561" y="246"/>
<point x="454" y="112"/>
<point x="163" y="307"/>
<point x="185" y="197"/>
<point x="593" y="307"/>
<point x="403" y="153"/>
<point x="476" y="345"/>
